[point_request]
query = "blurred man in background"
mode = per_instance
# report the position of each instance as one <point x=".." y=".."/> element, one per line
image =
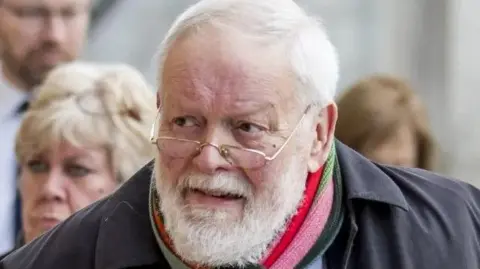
<point x="35" y="36"/>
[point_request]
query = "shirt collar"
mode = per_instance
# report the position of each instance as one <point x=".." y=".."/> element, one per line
<point x="10" y="97"/>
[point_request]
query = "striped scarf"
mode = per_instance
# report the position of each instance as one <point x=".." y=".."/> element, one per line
<point x="308" y="233"/>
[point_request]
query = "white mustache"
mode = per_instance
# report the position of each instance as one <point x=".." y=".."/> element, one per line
<point x="221" y="182"/>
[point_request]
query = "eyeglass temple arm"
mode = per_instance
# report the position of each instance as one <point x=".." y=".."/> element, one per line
<point x="271" y="158"/>
<point x="154" y="125"/>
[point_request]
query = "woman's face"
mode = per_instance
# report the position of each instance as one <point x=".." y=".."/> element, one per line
<point x="399" y="149"/>
<point x="60" y="181"/>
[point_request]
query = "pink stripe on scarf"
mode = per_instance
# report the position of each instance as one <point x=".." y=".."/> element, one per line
<point x="309" y="232"/>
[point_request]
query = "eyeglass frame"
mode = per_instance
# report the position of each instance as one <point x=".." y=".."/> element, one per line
<point x="223" y="148"/>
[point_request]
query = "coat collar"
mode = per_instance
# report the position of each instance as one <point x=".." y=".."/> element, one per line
<point x="126" y="237"/>
<point x="366" y="180"/>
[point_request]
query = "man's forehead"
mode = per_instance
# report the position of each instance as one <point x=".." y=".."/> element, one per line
<point x="237" y="93"/>
<point x="48" y="3"/>
<point x="237" y="71"/>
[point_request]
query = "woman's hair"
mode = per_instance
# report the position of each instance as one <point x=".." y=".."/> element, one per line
<point x="92" y="105"/>
<point x="374" y="108"/>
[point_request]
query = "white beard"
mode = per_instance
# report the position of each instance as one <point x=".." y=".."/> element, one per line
<point x="209" y="237"/>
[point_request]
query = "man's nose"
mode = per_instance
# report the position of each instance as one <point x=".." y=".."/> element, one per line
<point x="55" y="29"/>
<point x="209" y="160"/>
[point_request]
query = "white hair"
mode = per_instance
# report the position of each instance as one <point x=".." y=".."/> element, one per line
<point x="312" y="56"/>
<point x="71" y="105"/>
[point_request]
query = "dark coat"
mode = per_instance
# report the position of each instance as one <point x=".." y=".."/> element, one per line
<point x="19" y="242"/>
<point x="396" y="218"/>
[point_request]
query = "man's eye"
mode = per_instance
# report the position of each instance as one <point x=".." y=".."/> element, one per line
<point x="29" y="12"/>
<point x="184" y="121"/>
<point x="68" y="13"/>
<point x="249" y="128"/>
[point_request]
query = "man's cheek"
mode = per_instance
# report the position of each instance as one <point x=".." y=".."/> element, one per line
<point x="172" y="168"/>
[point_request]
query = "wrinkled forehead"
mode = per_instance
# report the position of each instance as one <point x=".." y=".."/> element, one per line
<point x="222" y="69"/>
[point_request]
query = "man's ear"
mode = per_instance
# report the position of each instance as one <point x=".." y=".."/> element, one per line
<point x="325" y="123"/>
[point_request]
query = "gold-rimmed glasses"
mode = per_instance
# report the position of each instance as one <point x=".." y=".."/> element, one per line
<point x="245" y="158"/>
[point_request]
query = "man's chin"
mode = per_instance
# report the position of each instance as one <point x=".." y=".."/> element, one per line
<point x="205" y="236"/>
<point x="33" y="78"/>
<point x="39" y="70"/>
<point x="213" y="217"/>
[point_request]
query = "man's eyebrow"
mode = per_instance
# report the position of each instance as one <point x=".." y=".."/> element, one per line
<point x="258" y="108"/>
<point x="267" y="108"/>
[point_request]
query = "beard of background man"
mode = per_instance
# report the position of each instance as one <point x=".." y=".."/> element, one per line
<point x="32" y="69"/>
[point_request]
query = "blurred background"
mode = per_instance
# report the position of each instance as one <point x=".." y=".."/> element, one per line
<point x="435" y="44"/>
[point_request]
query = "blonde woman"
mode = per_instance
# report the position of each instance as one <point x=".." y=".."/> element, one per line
<point x="86" y="132"/>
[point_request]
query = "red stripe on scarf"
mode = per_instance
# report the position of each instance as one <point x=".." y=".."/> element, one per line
<point x="313" y="181"/>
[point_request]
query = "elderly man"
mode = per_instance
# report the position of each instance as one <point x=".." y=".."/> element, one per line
<point x="35" y="36"/>
<point x="248" y="173"/>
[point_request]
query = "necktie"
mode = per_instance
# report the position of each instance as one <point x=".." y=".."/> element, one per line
<point x="22" y="108"/>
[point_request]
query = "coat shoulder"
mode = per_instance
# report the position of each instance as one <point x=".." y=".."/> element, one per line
<point x="427" y="189"/>
<point x="443" y="217"/>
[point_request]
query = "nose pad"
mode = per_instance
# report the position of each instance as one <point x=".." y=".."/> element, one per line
<point x="210" y="159"/>
<point x="224" y="152"/>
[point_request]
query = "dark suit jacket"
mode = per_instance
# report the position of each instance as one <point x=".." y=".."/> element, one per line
<point x="396" y="218"/>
